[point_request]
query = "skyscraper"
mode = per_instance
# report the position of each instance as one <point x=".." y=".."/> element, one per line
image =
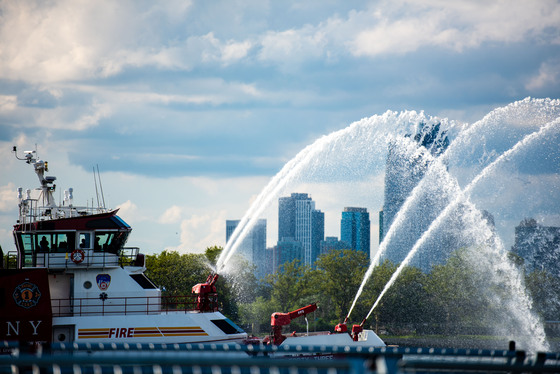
<point x="538" y="245"/>
<point x="287" y="250"/>
<point x="287" y="214"/>
<point x="404" y="170"/>
<point x="231" y="225"/>
<point x="317" y="235"/>
<point x="253" y="246"/>
<point x="331" y="243"/>
<point x="355" y="229"/>
<point x="298" y="219"/>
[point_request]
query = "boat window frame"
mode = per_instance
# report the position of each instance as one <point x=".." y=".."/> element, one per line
<point x="87" y="234"/>
<point x="106" y="238"/>
<point x="54" y="240"/>
<point x="28" y="244"/>
<point x="26" y="249"/>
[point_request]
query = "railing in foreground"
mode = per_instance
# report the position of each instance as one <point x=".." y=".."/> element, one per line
<point x="255" y="359"/>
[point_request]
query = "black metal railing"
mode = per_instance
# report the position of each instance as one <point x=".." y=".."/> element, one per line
<point x="265" y="359"/>
<point x="127" y="256"/>
<point x="105" y="305"/>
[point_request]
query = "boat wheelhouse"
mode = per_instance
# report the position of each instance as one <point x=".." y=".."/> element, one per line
<point x="72" y="278"/>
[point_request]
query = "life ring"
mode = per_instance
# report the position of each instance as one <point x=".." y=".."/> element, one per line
<point x="77" y="256"/>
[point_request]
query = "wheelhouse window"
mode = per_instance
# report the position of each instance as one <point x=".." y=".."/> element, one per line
<point x="103" y="241"/>
<point x="44" y="243"/>
<point x="26" y="248"/>
<point x="63" y="242"/>
<point x="29" y="244"/>
<point x="54" y="243"/>
<point x="84" y="240"/>
<point x="110" y="242"/>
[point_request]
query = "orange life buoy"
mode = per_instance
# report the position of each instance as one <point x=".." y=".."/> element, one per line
<point x="77" y="256"/>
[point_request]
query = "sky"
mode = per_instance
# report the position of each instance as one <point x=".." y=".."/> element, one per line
<point x="189" y="108"/>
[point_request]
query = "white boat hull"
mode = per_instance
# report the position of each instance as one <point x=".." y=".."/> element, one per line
<point x="168" y="328"/>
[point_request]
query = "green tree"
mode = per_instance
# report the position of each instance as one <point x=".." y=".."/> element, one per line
<point x="213" y="253"/>
<point x="545" y="292"/>
<point x="407" y="301"/>
<point x="457" y="294"/>
<point x="337" y="279"/>
<point x="176" y="273"/>
<point x="256" y="315"/>
<point x="237" y="284"/>
<point x="290" y="287"/>
<point x="373" y="288"/>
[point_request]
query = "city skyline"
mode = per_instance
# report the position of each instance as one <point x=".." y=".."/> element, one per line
<point x="537" y="245"/>
<point x="296" y="214"/>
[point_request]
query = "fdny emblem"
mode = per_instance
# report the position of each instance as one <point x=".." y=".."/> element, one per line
<point x="103" y="281"/>
<point x="27" y="295"/>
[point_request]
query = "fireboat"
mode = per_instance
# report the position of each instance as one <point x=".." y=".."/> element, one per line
<point x="72" y="279"/>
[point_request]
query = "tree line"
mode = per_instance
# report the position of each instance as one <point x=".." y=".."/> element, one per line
<point x="453" y="298"/>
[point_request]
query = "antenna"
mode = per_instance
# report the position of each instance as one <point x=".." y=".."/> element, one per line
<point x="29" y="156"/>
<point x="101" y="187"/>
<point x="96" y="193"/>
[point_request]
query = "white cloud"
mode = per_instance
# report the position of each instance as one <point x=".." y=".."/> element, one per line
<point x="233" y="51"/>
<point x="400" y="36"/>
<point x="549" y="76"/>
<point x="98" y="112"/>
<point x="63" y="40"/>
<point x="399" y="27"/>
<point x="129" y="211"/>
<point x="214" y="91"/>
<point x="54" y="41"/>
<point x="78" y="42"/>
<point x="202" y="231"/>
<point x="73" y="118"/>
<point x="8" y="197"/>
<point x="66" y="40"/>
<point x="174" y="10"/>
<point x="8" y="103"/>
<point x="208" y="48"/>
<point x="293" y="46"/>
<point x="171" y="215"/>
<point x="405" y="26"/>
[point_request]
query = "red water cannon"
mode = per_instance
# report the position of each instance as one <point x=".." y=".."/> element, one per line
<point x="204" y="291"/>
<point x="277" y="320"/>
<point x="357" y="329"/>
<point x="341" y="327"/>
<point x="208" y="287"/>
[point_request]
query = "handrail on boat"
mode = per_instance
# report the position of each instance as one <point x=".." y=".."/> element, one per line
<point x="106" y="305"/>
<point x="127" y="256"/>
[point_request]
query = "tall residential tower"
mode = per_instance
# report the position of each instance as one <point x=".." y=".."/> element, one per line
<point x="407" y="163"/>
<point x="253" y="246"/>
<point x="355" y="229"/>
<point x="299" y="220"/>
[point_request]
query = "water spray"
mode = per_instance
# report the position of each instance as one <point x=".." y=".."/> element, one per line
<point x="293" y="168"/>
<point x="461" y="198"/>
<point x="536" y="111"/>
